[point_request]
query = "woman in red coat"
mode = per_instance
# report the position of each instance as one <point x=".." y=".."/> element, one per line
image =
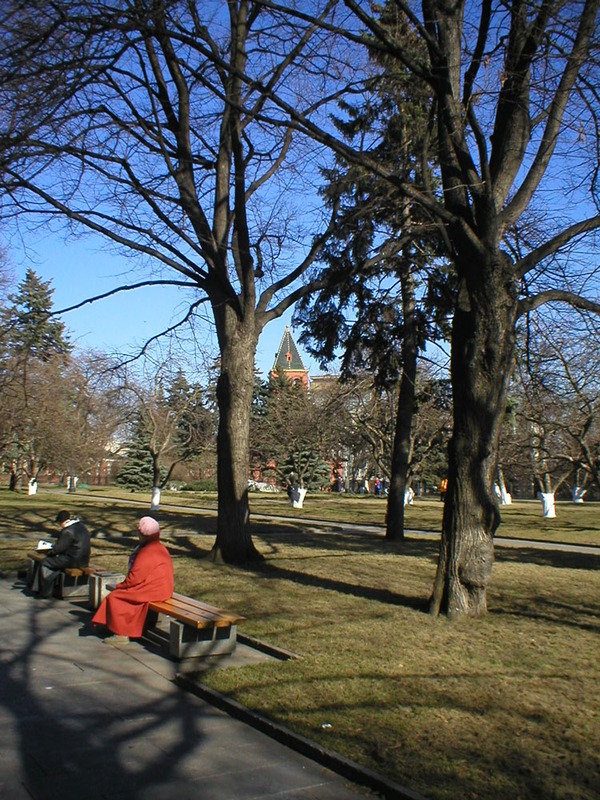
<point x="150" y="577"/>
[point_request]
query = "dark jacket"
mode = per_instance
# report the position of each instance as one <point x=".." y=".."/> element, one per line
<point x="72" y="548"/>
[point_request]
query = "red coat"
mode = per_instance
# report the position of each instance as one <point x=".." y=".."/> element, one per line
<point x="150" y="577"/>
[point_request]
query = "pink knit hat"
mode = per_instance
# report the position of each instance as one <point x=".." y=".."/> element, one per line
<point x="148" y="526"/>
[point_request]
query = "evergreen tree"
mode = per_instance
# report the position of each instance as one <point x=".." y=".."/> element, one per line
<point x="137" y="470"/>
<point x="383" y="263"/>
<point x="28" y="328"/>
<point x="195" y="426"/>
<point x="290" y="431"/>
<point x="30" y="341"/>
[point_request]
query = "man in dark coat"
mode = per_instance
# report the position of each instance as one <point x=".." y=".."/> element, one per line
<point x="71" y="549"/>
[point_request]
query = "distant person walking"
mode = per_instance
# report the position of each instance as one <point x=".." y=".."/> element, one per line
<point x="150" y="577"/>
<point x="71" y="549"/>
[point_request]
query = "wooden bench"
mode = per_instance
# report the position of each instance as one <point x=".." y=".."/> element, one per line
<point x="72" y="581"/>
<point x="196" y="629"/>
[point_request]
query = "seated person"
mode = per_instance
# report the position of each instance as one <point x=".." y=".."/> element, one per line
<point x="150" y="577"/>
<point x="71" y="549"/>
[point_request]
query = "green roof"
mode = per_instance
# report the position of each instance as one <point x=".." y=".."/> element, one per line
<point x="288" y="356"/>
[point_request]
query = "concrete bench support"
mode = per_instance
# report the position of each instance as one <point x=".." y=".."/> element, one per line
<point x="98" y="584"/>
<point x="186" y="641"/>
<point x="196" y="629"/>
<point x="71" y="585"/>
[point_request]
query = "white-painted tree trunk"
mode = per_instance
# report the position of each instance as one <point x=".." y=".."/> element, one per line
<point x="577" y="494"/>
<point x="300" y="499"/>
<point x="500" y="488"/>
<point x="155" y="502"/>
<point x="548" y="505"/>
<point x="502" y="495"/>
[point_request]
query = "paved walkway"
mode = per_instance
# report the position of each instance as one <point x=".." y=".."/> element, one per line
<point x="83" y="719"/>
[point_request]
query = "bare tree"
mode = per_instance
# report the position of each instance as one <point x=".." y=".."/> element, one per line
<point x="160" y="149"/>
<point x="169" y="416"/>
<point x="60" y="417"/>
<point x="556" y="430"/>
<point x="183" y="117"/>
<point x="514" y="102"/>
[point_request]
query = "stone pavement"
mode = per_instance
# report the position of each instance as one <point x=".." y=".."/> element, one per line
<point x="82" y="719"/>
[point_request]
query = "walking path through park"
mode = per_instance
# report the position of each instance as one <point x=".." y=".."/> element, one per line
<point x="84" y="719"/>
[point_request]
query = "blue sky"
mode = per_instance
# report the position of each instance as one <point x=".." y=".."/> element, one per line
<point x="81" y="268"/>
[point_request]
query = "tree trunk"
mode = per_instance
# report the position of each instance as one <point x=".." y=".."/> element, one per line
<point x="234" y="397"/>
<point x="402" y="447"/>
<point x="505" y="496"/>
<point x="482" y="360"/>
<point x="548" y="505"/>
<point x="577" y="494"/>
<point x="298" y="500"/>
<point x="155" y="498"/>
<point x="155" y="495"/>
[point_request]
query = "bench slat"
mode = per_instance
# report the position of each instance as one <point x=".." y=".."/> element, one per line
<point x="201" y="604"/>
<point x="203" y="609"/>
<point x="194" y="612"/>
<point x="191" y="609"/>
<point x="196" y="617"/>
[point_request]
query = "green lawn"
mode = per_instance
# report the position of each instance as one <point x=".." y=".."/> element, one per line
<point x="502" y="707"/>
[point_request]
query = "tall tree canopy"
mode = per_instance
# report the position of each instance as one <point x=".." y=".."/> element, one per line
<point x="174" y="135"/>
<point x="155" y="143"/>
<point x="515" y="114"/>
<point x="385" y="260"/>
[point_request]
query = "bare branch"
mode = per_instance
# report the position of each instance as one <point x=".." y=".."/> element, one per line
<point x="144" y="348"/>
<point x="118" y="289"/>
<point x="557" y="296"/>
<point x="554" y="244"/>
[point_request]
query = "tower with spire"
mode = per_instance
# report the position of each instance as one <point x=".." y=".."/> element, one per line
<point x="288" y="361"/>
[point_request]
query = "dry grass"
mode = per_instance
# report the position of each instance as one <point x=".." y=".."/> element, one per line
<point x="574" y="524"/>
<point x="502" y="707"/>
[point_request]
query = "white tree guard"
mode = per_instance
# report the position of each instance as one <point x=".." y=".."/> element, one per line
<point x="301" y="495"/>
<point x="577" y="494"/>
<point x="548" y="504"/>
<point x="155" y="502"/>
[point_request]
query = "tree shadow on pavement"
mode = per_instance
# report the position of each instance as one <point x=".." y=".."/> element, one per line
<point x="73" y="727"/>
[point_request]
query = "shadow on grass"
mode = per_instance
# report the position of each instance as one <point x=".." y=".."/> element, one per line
<point x="342" y="587"/>
<point x="106" y="521"/>
<point x="340" y="545"/>
<point x="324" y="543"/>
<point x="584" y="616"/>
<point x="560" y="559"/>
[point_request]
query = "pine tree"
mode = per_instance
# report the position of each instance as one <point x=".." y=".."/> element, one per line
<point x="30" y="340"/>
<point x="137" y="472"/>
<point x="386" y="290"/>
<point x="27" y="323"/>
<point x="290" y="432"/>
